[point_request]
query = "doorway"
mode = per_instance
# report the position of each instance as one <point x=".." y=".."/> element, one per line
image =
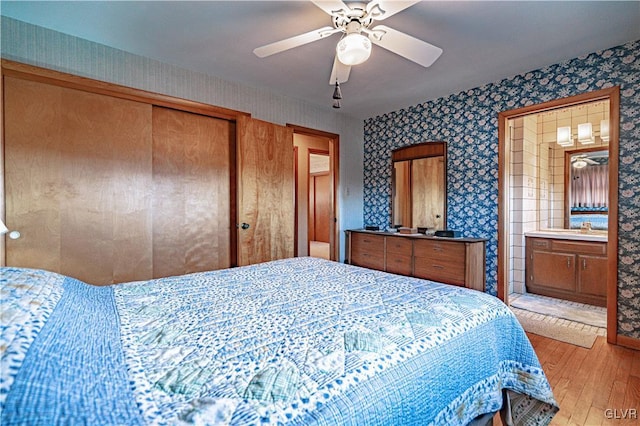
<point x="319" y="204"/>
<point x="517" y="188"/>
<point x="316" y="180"/>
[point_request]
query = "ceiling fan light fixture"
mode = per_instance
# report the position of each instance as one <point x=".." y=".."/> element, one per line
<point x="579" y="164"/>
<point x="353" y="49"/>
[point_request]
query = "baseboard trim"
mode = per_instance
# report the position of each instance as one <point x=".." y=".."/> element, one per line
<point x="628" y="342"/>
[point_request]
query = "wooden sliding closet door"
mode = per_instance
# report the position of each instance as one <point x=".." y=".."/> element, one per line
<point x="265" y="191"/>
<point x="191" y="202"/>
<point x="110" y="190"/>
<point x="78" y="174"/>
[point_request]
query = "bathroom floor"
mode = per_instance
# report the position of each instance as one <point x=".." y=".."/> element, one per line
<point x="587" y="318"/>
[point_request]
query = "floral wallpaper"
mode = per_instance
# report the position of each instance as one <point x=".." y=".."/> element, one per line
<point x="468" y="121"/>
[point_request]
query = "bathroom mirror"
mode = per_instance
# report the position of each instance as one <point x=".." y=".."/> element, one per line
<point x="586" y="188"/>
<point x="419" y="186"/>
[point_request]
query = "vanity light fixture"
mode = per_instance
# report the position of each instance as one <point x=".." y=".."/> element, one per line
<point x="604" y="130"/>
<point x="585" y="134"/>
<point x="564" y="138"/>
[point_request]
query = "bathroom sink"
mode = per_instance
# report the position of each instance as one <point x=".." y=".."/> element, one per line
<point x="570" y="234"/>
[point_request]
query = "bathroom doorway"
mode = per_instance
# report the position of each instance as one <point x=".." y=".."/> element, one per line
<point x="533" y="175"/>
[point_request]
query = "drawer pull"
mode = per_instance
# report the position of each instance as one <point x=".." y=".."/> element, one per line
<point x="438" y="267"/>
<point x="437" y="248"/>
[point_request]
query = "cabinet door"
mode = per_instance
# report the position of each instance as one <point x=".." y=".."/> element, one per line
<point x="555" y="270"/>
<point x="592" y="275"/>
<point x="265" y="191"/>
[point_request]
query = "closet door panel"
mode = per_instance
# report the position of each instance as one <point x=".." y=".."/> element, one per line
<point x="85" y="160"/>
<point x="191" y="202"/>
<point x="33" y="165"/>
<point x="265" y="191"/>
<point x="107" y="141"/>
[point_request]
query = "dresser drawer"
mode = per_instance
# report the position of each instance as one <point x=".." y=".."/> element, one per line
<point x="399" y="245"/>
<point x="443" y="272"/>
<point x="367" y="243"/>
<point x="399" y="264"/>
<point x="445" y="251"/>
<point x="441" y="261"/>
<point x="368" y="260"/>
<point x="367" y="250"/>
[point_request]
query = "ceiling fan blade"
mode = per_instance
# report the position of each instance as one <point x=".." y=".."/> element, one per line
<point x="339" y="73"/>
<point x="381" y="9"/>
<point x="333" y="7"/>
<point x="404" y="45"/>
<point x="299" y="40"/>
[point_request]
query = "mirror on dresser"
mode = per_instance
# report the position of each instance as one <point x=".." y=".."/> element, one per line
<point x="419" y="186"/>
<point x="586" y="188"/>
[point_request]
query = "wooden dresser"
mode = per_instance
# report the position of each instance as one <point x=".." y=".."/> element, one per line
<point x="457" y="261"/>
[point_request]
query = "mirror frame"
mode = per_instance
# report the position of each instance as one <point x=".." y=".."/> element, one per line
<point x="567" y="178"/>
<point x="414" y="152"/>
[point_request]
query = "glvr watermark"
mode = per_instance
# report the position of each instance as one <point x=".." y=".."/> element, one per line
<point x="621" y="413"/>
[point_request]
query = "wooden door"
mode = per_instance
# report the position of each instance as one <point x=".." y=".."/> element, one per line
<point x="191" y="187"/>
<point x="78" y="173"/>
<point x="320" y="207"/>
<point x="265" y="191"/>
<point x="110" y="190"/>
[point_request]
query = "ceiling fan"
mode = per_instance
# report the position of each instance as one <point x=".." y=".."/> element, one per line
<point x="354" y="20"/>
<point x="581" y="160"/>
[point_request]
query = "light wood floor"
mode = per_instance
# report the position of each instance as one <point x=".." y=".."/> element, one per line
<point x="319" y="249"/>
<point x="591" y="384"/>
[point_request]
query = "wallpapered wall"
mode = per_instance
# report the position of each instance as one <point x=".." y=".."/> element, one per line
<point x="468" y="122"/>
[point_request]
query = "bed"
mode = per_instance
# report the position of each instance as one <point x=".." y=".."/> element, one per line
<point x="298" y="341"/>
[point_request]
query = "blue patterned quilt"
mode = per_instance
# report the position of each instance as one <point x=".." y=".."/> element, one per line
<point x="298" y="341"/>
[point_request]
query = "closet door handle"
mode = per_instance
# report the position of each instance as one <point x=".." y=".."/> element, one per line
<point x="584" y="263"/>
<point x="568" y="262"/>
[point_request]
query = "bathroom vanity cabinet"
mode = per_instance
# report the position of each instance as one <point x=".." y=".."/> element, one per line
<point x="567" y="269"/>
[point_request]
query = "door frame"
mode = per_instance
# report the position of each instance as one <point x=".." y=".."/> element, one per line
<point x="334" y="155"/>
<point x="613" y="96"/>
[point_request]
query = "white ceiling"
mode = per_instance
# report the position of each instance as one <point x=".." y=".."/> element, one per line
<point x="483" y="42"/>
